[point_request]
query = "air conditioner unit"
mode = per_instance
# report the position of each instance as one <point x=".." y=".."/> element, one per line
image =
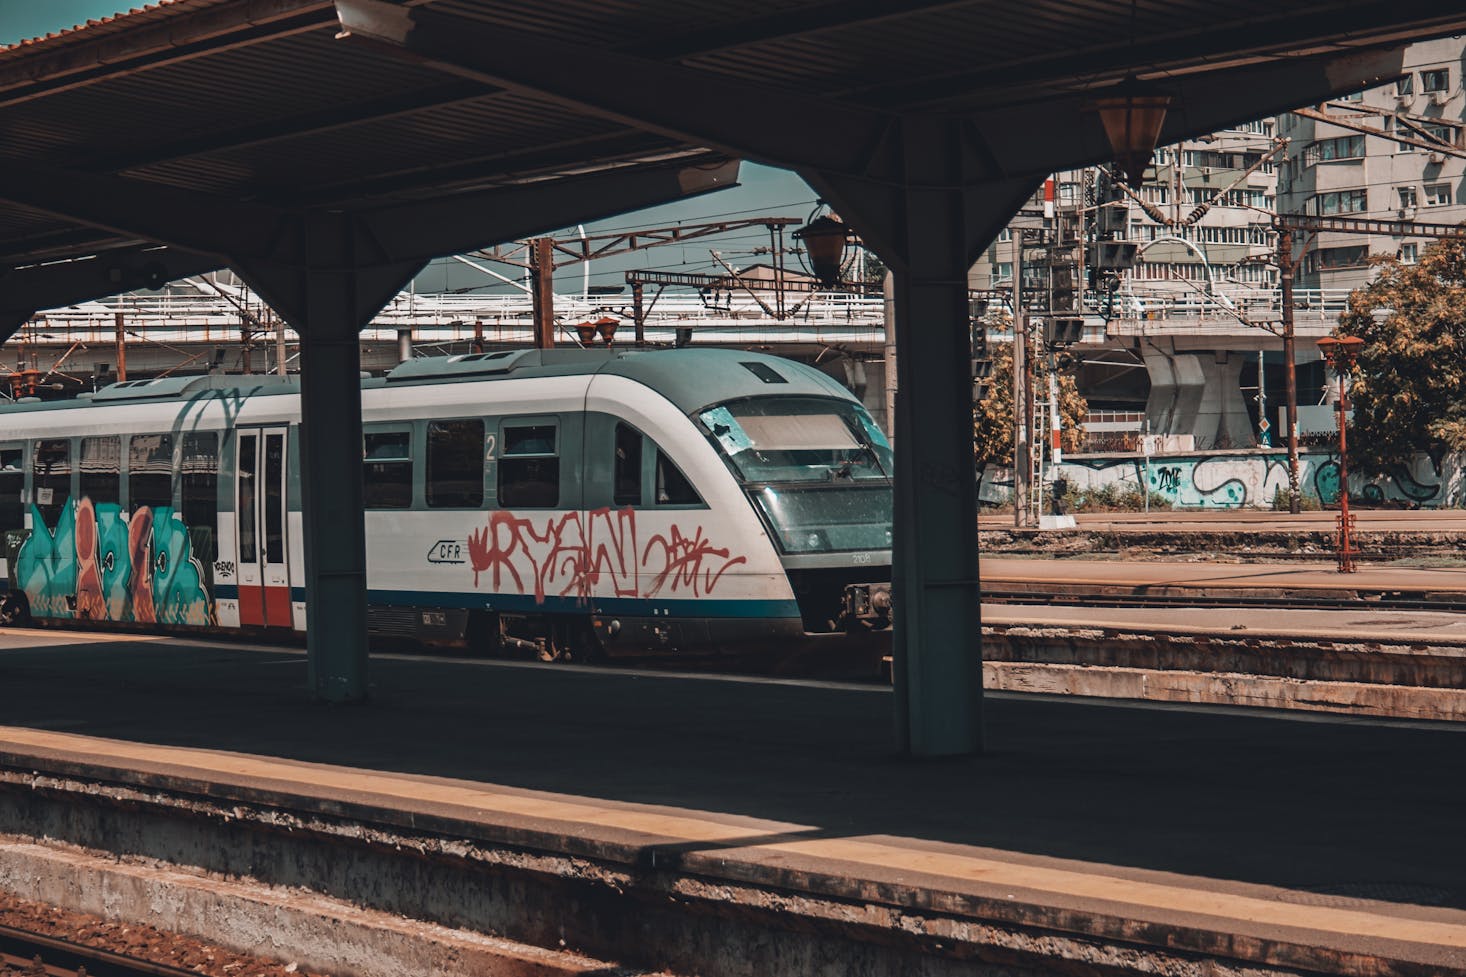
<point x="1407" y="213"/>
<point x="1440" y="98"/>
<point x="1434" y="157"/>
<point x="1405" y="98"/>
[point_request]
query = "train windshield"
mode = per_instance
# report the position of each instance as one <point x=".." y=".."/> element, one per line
<point x="800" y="439"/>
<point x="818" y="469"/>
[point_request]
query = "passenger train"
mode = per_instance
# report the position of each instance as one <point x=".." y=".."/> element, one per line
<point x="567" y="502"/>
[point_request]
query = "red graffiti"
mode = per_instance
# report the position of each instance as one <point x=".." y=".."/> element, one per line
<point x="140" y="551"/>
<point x="89" y="601"/>
<point x="693" y="562"/>
<point x="570" y="555"/>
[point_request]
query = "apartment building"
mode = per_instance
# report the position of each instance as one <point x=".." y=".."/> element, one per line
<point x="1395" y="155"/>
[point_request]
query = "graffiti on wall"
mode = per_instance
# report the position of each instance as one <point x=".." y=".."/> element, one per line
<point x="99" y="563"/>
<point x="570" y="554"/>
<point x="1255" y="478"/>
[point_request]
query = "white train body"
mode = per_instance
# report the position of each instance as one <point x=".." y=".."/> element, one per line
<point x="570" y="500"/>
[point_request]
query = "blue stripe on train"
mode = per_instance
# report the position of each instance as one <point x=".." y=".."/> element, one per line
<point x="525" y="603"/>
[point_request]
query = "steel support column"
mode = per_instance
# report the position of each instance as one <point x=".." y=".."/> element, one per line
<point x="930" y="231"/>
<point x="328" y="301"/>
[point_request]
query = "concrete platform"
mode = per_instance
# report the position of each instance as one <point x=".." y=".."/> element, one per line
<point x="748" y="827"/>
<point x="1079" y="576"/>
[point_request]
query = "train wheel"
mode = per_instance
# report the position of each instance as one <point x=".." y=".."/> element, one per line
<point x="484" y="635"/>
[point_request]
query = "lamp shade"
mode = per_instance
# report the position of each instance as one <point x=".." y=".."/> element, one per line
<point x="824" y="241"/>
<point x="1132" y="113"/>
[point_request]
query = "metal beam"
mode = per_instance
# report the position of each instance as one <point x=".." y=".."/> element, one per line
<point x="450" y="225"/>
<point x="63" y="283"/>
<point x="1071" y="135"/>
<point x="137" y="208"/>
<point x="691" y="106"/>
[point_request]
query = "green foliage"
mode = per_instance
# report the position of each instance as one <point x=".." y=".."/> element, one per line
<point x="1283" y="501"/>
<point x="992" y="417"/>
<point x="1114" y="498"/>
<point x="1409" y="390"/>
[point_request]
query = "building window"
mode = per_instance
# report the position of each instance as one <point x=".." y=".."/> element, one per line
<point x="1351" y="97"/>
<point x="1407" y="196"/>
<point x="1003" y="269"/>
<point x="1435" y="80"/>
<point x="1341" y="147"/>
<point x="1351" y="257"/>
<point x="386" y="472"/>
<point x="529" y="470"/>
<point x="455" y="464"/>
<point x="1437" y="194"/>
<point x="149" y="471"/>
<point x="51" y="478"/>
<point x="1341" y="202"/>
<point x="1410" y="252"/>
<point x="1405" y="85"/>
<point x="1006" y="234"/>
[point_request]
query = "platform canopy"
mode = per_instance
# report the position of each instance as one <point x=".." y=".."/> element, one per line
<point x="326" y="150"/>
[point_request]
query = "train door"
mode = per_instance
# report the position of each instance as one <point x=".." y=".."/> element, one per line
<point x="260" y="498"/>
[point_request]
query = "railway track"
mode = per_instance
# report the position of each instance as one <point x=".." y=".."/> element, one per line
<point x="1353" y="601"/>
<point x="33" y="954"/>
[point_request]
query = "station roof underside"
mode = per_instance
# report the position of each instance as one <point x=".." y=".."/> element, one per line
<point x="262" y="100"/>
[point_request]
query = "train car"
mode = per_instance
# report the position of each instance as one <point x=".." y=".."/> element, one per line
<point x="568" y="502"/>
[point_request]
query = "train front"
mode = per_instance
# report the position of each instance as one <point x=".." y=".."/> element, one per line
<point x="818" y="471"/>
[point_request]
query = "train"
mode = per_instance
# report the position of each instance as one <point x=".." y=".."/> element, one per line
<point x="568" y="502"/>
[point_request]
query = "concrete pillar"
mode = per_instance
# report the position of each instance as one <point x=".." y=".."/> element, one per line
<point x="1222" y="418"/>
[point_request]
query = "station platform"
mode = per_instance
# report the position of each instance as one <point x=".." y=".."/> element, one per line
<point x="1367" y="521"/>
<point x="716" y="825"/>
<point x="1073" y="576"/>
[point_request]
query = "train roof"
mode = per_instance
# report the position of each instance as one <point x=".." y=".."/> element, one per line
<point x="691" y="378"/>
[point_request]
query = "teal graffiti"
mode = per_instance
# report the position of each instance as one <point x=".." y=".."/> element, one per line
<point x="178" y="578"/>
<point x="45" y="567"/>
<point x="137" y="568"/>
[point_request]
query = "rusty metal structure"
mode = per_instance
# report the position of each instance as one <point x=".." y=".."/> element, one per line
<point x="325" y="151"/>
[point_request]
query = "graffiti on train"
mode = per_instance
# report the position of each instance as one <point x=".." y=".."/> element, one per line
<point x="100" y="563"/>
<point x="571" y="554"/>
<point x="1256" y="478"/>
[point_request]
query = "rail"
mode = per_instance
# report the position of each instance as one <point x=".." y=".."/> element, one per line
<point x="32" y="953"/>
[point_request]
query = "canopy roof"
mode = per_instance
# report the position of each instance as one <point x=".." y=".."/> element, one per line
<point x="260" y="100"/>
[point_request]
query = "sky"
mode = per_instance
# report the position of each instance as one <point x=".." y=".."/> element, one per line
<point x="762" y="190"/>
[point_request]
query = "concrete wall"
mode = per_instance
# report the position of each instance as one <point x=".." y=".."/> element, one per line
<point x="1249" y="478"/>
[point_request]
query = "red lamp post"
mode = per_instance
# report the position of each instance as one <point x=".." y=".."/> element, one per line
<point x="1341" y="354"/>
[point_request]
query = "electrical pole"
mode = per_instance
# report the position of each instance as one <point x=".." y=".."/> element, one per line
<point x="1021" y="488"/>
<point x="543" y="266"/>
<point x="1290" y="372"/>
<point x="120" y="322"/>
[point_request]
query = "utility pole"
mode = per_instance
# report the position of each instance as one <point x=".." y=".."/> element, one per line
<point x="543" y="267"/>
<point x="120" y="322"/>
<point x="1290" y="372"/>
<point x="1021" y="488"/>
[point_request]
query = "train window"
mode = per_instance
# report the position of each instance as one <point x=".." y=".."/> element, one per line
<point x="149" y="471"/>
<point x="51" y="478"/>
<point x="198" y="490"/>
<point x="529" y="468"/>
<point x="673" y="488"/>
<point x="101" y="469"/>
<point x="274" y="498"/>
<point x="627" y="489"/>
<point x="12" y="485"/>
<point x="248" y="466"/>
<point x="386" y="472"/>
<point x="455" y="464"/>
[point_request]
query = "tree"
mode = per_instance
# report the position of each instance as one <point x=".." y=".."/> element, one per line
<point x="992" y="417"/>
<point x="1409" y="385"/>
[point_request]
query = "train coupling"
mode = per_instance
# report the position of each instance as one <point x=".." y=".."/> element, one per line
<point x="866" y="605"/>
